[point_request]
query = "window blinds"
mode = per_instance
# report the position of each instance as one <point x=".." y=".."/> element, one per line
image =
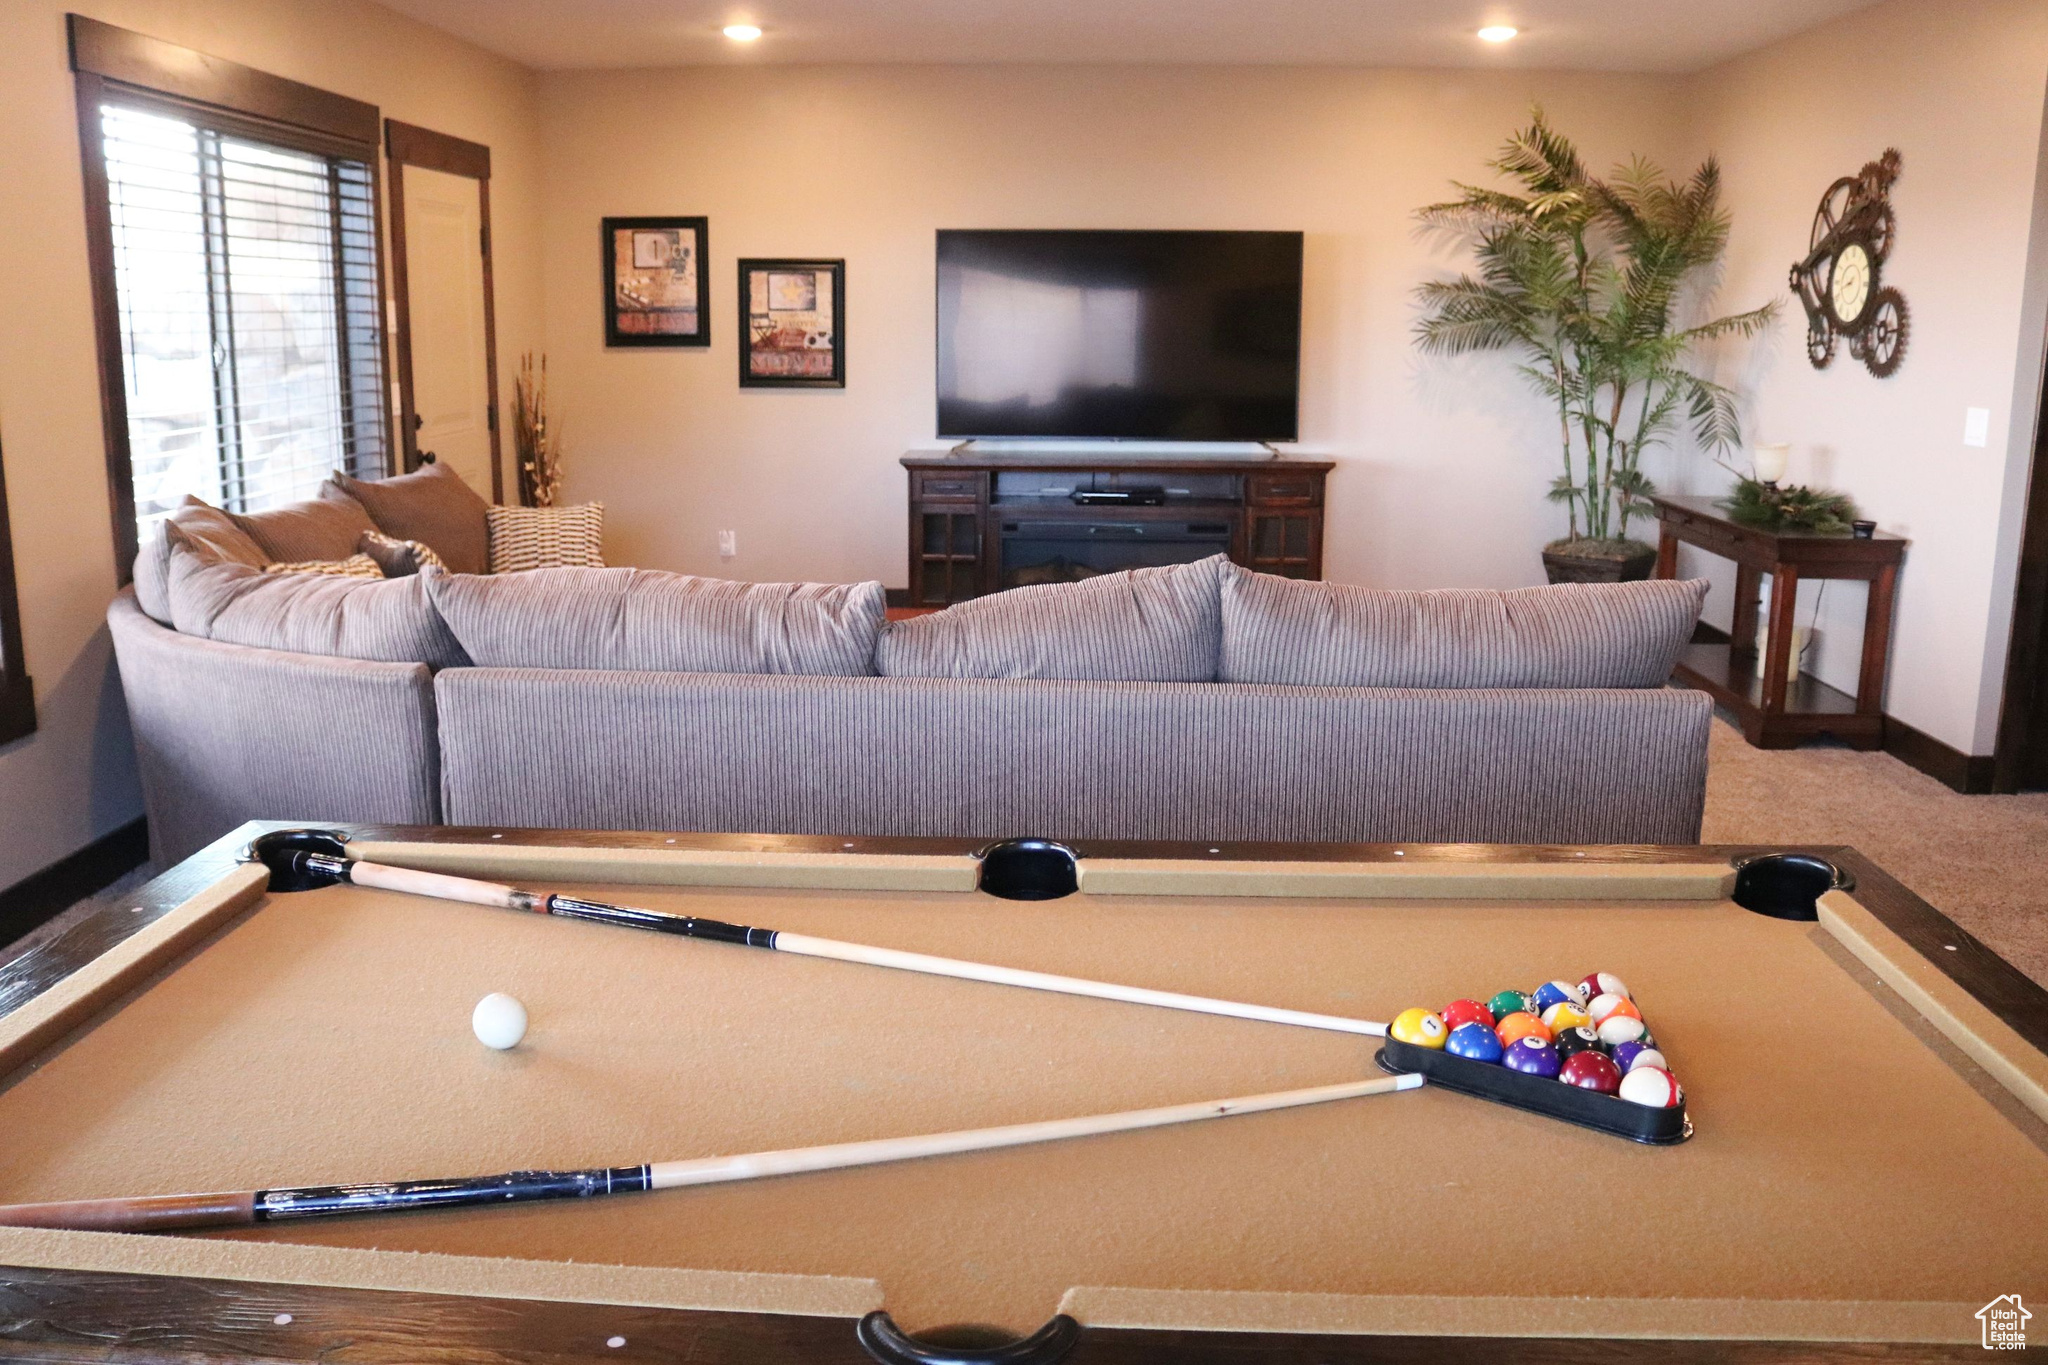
<point x="246" y="276"/>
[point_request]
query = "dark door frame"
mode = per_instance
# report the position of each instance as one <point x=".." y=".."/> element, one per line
<point x="409" y="145"/>
<point x="2020" y="755"/>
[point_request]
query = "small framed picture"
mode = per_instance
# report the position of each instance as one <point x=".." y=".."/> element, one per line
<point x="793" y="324"/>
<point x="657" y="291"/>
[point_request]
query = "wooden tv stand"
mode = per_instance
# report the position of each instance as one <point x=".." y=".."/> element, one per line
<point x="969" y="511"/>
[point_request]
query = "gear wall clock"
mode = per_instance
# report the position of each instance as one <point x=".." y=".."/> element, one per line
<point x="1839" y="282"/>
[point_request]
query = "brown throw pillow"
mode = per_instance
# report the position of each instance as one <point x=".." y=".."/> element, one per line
<point x="212" y="535"/>
<point x="319" y="528"/>
<point x="433" y="506"/>
<point x="398" y="558"/>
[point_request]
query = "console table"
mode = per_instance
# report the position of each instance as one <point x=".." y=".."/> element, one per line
<point x="981" y="523"/>
<point x="1784" y="706"/>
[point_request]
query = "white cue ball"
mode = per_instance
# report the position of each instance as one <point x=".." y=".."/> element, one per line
<point x="499" y="1021"/>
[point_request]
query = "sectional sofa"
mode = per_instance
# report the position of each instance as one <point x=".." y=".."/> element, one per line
<point x="1194" y="702"/>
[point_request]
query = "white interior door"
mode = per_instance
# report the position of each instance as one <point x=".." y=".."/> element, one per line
<point x="445" y="307"/>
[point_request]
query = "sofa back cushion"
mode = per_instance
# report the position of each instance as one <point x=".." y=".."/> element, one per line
<point x="647" y="621"/>
<point x="152" y="575"/>
<point x="388" y="620"/>
<point x="432" y="505"/>
<point x="300" y="532"/>
<point x="1144" y="625"/>
<point x="1279" y="630"/>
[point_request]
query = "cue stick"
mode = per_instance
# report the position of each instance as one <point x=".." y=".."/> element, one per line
<point x="168" y="1212"/>
<point x="445" y="887"/>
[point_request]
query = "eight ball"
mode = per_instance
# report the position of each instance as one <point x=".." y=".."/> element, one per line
<point x="1576" y="1040"/>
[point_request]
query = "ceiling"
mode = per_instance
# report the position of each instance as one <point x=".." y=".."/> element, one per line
<point x="1602" y="35"/>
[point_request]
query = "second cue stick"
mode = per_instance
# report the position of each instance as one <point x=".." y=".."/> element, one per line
<point x="445" y="887"/>
<point x="178" y="1212"/>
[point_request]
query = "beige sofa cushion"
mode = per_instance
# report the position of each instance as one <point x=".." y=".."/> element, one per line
<point x="644" y="620"/>
<point x="1280" y="630"/>
<point x="152" y="575"/>
<point x="389" y="620"/>
<point x="214" y="535"/>
<point x="1143" y="625"/>
<point x="432" y="505"/>
<point x="299" y="532"/>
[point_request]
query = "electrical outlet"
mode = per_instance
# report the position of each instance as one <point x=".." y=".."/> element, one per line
<point x="728" y="544"/>
<point x="1977" y="427"/>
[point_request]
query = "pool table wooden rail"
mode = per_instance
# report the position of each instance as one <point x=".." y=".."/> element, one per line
<point x="100" y="1316"/>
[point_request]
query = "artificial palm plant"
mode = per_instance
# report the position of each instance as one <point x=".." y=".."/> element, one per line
<point x="1584" y="278"/>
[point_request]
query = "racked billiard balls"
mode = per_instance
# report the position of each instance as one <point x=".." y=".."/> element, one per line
<point x="1474" y="1040"/>
<point x="1462" y="1012"/>
<point x="1420" y="1027"/>
<point x="1591" y="1071"/>
<point x="1506" y="1003"/>
<point x="1576" y="1040"/>
<point x="1531" y="1055"/>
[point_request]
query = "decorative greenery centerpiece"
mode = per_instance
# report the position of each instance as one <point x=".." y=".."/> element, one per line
<point x="1757" y="503"/>
<point x="538" y="446"/>
<point x="1583" y="278"/>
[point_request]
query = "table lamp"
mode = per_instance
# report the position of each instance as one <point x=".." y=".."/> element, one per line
<point x="1769" y="462"/>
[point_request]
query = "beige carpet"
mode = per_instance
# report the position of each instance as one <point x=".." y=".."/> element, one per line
<point x="1980" y="860"/>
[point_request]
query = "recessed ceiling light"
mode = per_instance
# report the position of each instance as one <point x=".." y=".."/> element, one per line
<point x="1492" y="33"/>
<point x="746" y="33"/>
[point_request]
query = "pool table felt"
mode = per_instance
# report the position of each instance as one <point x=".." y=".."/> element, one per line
<point x="1849" y="1177"/>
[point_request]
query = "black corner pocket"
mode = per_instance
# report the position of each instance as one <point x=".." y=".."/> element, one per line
<point x="278" y="851"/>
<point x="884" y="1341"/>
<point x="1029" y="870"/>
<point x="1787" y="885"/>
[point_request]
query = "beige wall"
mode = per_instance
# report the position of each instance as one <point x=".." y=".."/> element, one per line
<point x="1958" y="87"/>
<point x="1442" y="466"/>
<point x="74" y="779"/>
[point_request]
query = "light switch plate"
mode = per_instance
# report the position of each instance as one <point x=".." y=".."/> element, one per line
<point x="728" y="544"/>
<point x="1977" y="427"/>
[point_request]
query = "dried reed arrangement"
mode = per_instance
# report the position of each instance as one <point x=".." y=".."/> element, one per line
<point x="534" y="438"/>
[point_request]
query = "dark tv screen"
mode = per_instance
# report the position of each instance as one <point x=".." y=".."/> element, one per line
<point x="1175" y="336"/>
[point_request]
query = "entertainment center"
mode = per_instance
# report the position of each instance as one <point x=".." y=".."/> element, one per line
<point x="982" y="523"/>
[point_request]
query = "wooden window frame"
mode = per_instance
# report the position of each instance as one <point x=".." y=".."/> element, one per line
<point x="113" y="63"/>
<point x="17" y="691"/>
<point x="410" y="145"/>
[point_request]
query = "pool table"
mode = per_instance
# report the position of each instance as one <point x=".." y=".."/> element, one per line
<point x="1868" y="1093"/>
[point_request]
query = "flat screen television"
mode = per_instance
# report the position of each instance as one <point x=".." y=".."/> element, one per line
<point x="1173" y="336"/>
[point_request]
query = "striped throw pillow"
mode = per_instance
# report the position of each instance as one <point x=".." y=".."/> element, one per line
<point x="547" y="538"/>
<point x="355" y="566"/>
<point x="399" y="558"/>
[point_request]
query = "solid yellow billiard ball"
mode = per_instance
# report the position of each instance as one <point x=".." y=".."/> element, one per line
<point x="1420" y="1027"/>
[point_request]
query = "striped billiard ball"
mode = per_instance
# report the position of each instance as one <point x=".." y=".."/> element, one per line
<point x="1603" y="983"/>
<point x="1554" y="992"/>
<point x="1652" y="1086"/>
<point x="1618" y="1028"/>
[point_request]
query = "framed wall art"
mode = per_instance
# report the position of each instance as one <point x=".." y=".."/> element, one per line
<point x="657" y="291"/>
<point x="793" y="324"/>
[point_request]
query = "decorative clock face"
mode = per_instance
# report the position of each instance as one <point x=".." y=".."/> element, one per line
<point x="1849" y="288"/>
